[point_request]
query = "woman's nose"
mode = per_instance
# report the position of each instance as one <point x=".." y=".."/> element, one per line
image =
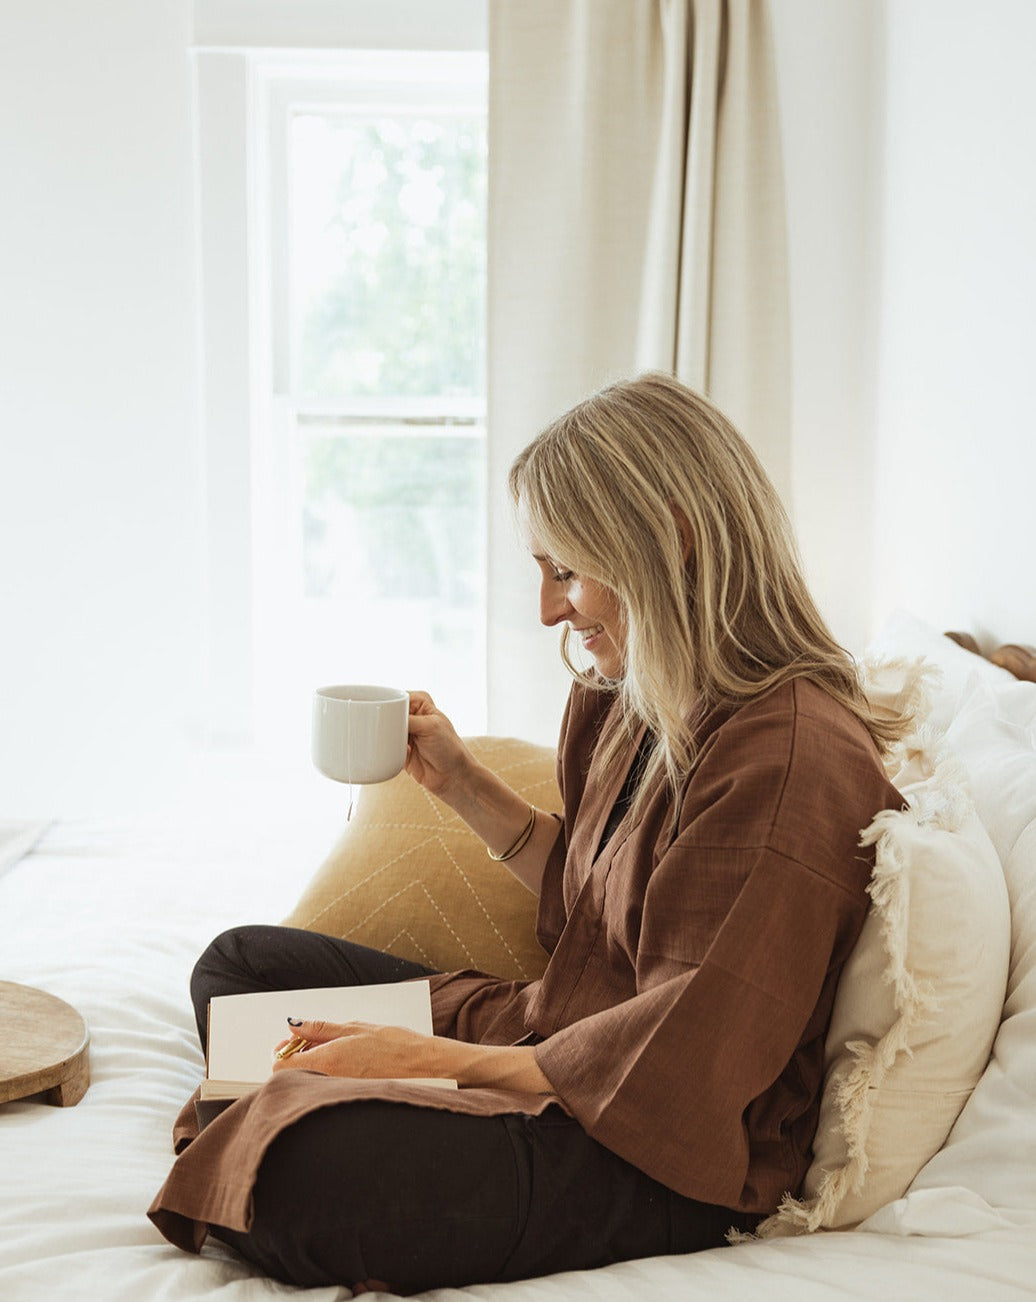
<point x="554" y="603"/>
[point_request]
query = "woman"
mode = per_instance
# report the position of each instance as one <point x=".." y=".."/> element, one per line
<point x="660" y="1084"/>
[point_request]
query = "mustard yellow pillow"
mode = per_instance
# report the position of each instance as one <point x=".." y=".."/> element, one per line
<point x="408" y="876"/>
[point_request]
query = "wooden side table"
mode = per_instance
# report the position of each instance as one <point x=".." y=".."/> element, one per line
<point x="44" y="1047"/>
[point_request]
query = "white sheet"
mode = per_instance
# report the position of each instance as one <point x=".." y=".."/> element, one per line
<point x="111" y="917"/>
<point x="17" y="839"/>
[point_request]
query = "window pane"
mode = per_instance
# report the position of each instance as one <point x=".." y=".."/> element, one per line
<point x="388" y="254"/>
<point x="393" y="558"/>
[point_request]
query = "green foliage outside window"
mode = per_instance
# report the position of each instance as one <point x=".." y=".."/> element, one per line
<point x="389" y="303"/>
<point x="416" y="500"/>
<point x="402" y="311"/>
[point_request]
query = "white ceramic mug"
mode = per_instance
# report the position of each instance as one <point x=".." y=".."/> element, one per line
<point x="360" y="732"/>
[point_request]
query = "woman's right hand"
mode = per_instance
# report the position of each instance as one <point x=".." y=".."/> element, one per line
<point x="495" y="812"/>
<point x="436" y="756"/>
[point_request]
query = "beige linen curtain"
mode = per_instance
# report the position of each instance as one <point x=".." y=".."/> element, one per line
<point x="636" y="221"/>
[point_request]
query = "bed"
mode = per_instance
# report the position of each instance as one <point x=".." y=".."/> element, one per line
<point x="109" y="916"/>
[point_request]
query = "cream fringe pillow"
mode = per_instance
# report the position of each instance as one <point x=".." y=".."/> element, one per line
<point x="920" y="999"/>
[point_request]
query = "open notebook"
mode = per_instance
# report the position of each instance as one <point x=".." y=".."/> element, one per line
<point x="245" y="1029"/>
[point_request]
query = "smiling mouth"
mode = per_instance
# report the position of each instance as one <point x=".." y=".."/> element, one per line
<point x="588" y="634"/>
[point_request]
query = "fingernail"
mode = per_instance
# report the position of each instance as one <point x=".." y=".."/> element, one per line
<point x="294" y="1021"/>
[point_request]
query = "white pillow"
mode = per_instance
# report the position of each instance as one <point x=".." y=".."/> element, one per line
<point x="920" y="999"/>
<point x="904" y="637"/>
<point x="993" y="736"/>
<point x="990" y="1151"/>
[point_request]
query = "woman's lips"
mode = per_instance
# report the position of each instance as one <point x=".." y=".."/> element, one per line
<point x="590" y="635"/>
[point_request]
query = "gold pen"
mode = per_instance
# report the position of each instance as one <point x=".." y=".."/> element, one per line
<point x="294" y="1045"/>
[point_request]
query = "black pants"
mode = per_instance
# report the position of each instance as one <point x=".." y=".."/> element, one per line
<point x="419" y="1198"/>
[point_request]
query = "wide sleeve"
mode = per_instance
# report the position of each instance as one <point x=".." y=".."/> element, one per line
<point x="665" y="1078"/>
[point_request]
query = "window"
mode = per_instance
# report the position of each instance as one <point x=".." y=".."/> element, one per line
<point x="374" y="208"/>
<point x="363" y="285"/>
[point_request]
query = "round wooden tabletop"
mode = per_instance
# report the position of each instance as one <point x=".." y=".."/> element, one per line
<point x="44" y="1047"/>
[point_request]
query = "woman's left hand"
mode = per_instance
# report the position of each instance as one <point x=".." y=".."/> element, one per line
<point x="359" y="1049"/>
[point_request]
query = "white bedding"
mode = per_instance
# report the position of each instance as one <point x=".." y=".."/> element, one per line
<point x="110" y="916"/>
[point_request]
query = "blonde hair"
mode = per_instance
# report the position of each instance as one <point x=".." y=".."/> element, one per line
<point x="648" y="489"/>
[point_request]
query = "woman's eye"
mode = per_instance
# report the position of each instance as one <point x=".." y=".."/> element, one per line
<point x="562" y="576"/>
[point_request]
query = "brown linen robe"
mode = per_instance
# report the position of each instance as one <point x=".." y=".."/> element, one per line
<point x="693" y="967"/>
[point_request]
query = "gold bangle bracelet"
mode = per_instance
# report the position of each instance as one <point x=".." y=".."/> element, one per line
<point x="519" y="841"/>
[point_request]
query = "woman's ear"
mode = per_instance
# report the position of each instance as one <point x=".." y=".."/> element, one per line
<point x="683" y="528"/>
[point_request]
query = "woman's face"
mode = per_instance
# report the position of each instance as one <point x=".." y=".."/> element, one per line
<point x="591" y="610"/>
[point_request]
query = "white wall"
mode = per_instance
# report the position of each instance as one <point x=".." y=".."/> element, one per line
<point x="911" y="177"/>
<point x="956" y="449"/>
<point x="829" y="67"/>
<point x="99" y="492"/>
